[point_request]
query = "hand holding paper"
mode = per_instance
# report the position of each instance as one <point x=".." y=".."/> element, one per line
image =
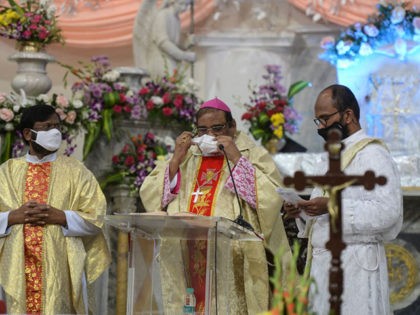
<point x="291" y="197"/>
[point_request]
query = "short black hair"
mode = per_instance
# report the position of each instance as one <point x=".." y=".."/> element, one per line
<point x="35" y="113"/>
<point x="343" y="98"/>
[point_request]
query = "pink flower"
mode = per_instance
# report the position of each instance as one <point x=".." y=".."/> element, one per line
<point x="61" y="113"/>
<point x="2" y="97"/>
<point x="71" y="117"/>
<point x="62" y="101"/>
<point x="129" y="160"/>
<point x="150" y="105"/>
<point x="115" y="159"/>
<point x="327" y="42"/>
<point x="178" y="101"/>
<point x="144" y="91"/>
<point x="6" y="114"/>
<point x="166" y="98"/>
<point x="167" y="111"/>
<point x="117" y="108"/>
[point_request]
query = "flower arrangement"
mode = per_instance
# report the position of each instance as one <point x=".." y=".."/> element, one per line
<point x="394" y="30"/>
<point x="11" y="108"/>
<point x="30" y="22"/>
<point x="270" y="113"/>
<point x="171" y="98"/>
<point x="136" y="160"/>
<point x="291" y="297"/>
<point x="10" y="113"/>
<point x="104" y="98"/>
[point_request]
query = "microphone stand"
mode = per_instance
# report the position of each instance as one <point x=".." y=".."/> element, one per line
<point x="240" y="219"/>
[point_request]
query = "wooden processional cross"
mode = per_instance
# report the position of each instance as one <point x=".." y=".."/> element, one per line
<point x="333" y="182"/>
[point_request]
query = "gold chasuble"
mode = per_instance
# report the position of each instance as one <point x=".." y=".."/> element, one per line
<point x="41" y="270"/>
<point x="248" y="279"/>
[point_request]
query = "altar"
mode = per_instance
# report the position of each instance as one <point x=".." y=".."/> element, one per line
<point x="403" y="253"/>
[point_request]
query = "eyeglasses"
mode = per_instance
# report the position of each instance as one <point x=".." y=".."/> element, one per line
<point x="47" y="126"/>
<point x="324" y="119"/>
<point x="214" y="129"/>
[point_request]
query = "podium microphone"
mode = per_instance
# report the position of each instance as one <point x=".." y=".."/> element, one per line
<point x="239" y="220"/>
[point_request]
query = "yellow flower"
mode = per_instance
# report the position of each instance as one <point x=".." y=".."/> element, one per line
<point x="278" y="132"/>
<point x="8" y="17"/>
<point x="277" y="119"/>
<point x="160" y="157"/>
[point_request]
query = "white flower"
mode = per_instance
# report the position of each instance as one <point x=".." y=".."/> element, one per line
<point x="371" y="30"/>
<point x="157" y="100"/>
<point x="397" y="15"/>
<point x="169" y="143"/>
<point x="400" y="30"/>
<point x="344" y="63"/>
<point x="16" y="108"/>
<point x="343" y="46"/>
<point x="44" y="3"/>
<point x="401" y="47"/>
<point x="77" y="103"/>
<point x="43" y="98"/>
<point x="9" y="127"/>
<point x="416" y="24"/>
<point x="78" y="95"/>
<point x="365" y="49"/>
<point x="130" y="93"/>
<point x="52" y="9"/>
<point x="190" y="85"/>
<point x="111" y="76"/>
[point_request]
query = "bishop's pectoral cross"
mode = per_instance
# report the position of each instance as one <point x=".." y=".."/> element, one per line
<point x="334" y="181"/>
<point x="196" y="194"/>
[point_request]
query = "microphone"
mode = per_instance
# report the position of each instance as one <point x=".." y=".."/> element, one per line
<point x="239" y="220"/>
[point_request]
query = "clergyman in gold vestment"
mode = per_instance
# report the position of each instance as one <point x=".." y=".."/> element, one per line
<point x="52" y="246"/>
<point x="184" y="183"/>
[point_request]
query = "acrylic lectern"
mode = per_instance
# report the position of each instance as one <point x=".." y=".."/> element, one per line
<point x="159" y="259"/>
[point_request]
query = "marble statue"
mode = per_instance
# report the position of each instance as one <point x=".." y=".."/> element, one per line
<point x="157" y="37"/>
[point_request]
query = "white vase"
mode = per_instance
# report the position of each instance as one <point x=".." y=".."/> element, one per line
<point x="31" y="76"/>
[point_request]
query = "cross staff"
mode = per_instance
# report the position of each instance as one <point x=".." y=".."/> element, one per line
<point x="334" y="181"/>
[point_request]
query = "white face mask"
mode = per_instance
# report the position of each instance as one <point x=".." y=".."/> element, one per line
<point x="49" y="140"/>
<point x="207" y="145"/>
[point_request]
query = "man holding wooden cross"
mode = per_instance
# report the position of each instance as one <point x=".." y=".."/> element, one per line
<point x="369" y="217"/>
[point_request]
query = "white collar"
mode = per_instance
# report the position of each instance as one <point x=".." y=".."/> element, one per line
<point x="34" y="159"/>
<point x="354" y="138"/>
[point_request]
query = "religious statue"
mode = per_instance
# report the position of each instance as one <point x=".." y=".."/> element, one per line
<point x="157" y="37"/>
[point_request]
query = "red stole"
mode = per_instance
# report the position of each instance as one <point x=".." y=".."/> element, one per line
<point x="36" y="188"/>
<point x="202" y="202"/>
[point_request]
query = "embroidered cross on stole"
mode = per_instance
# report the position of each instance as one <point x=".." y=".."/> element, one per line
<point x="36" y="188"/>
<point x="205" y="188"/>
